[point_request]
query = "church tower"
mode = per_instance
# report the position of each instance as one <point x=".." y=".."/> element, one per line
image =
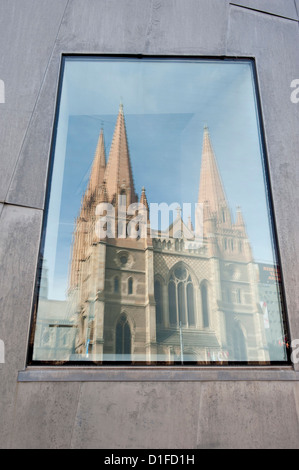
<point x="235" y="273"/>
<point x="86" y="220"/>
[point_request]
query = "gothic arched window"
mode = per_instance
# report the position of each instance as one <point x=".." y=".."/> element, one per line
<point x="123" y="336"/>
<point x="181" y="298"/>
<point x="159" y="302"/>
<point x="205" y="305"/>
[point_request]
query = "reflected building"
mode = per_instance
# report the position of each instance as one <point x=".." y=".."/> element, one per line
<point x="163" y="298"/>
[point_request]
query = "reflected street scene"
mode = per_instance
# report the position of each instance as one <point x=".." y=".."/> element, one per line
<point x="158" y="243"/>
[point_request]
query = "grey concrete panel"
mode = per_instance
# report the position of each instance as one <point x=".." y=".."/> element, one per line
<point x="274" y="42"/>
<point x="48" y="413"/>
<point x="284" y="8"/>
<point x="135" y="415"/>
<point x="13" y="125"/>
<point x="28" y="185"/>
<point x="19" y="242"/>
<point x="248" y="415"/>
<point x="140" y="26"/>
<point x="124" y="416"/>
<point x="27" y="34"/>
<point x="130" y="26"/>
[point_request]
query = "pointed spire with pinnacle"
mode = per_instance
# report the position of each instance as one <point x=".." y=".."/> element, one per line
<point x="119" y="171"/>
<point x="210" y="187"/>
<point x="99" y="165"/>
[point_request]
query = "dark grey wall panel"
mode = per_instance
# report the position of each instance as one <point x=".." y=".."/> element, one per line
<point x="166" y="408"/>
<point x="28" y="185"/>
<point x="284" y="8"/>
<point x="157" y="415"/>
<point x="19" y="243"/>
<point x="232" y="416"/>
<point x="142" y="26"/>
<point x="27" y="34"/>
<point x="274" y="42"/>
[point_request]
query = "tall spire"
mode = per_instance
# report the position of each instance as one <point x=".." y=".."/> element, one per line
<point x="119" y="172"/>
<point x="99" y="165"/>
<point x="210" y="185"/>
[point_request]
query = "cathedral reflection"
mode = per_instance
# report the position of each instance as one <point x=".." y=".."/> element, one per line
<point x="158" y="299"/>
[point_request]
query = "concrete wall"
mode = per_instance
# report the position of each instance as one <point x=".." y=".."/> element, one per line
<point x="137" y="408"/>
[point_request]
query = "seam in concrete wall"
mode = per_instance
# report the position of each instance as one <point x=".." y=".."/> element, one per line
<point x="265" y="12"/>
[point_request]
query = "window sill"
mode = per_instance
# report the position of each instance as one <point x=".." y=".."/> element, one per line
<point x="156" y="374"/>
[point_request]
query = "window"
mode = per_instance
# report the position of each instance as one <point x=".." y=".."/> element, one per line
<point x="116" y="285"/>
<point x="130" y="286"/>
<point x="144" y="258"/>
<point x="180" y="297"/>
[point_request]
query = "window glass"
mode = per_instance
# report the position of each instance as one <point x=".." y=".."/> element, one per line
<point x="158" y="242"/>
